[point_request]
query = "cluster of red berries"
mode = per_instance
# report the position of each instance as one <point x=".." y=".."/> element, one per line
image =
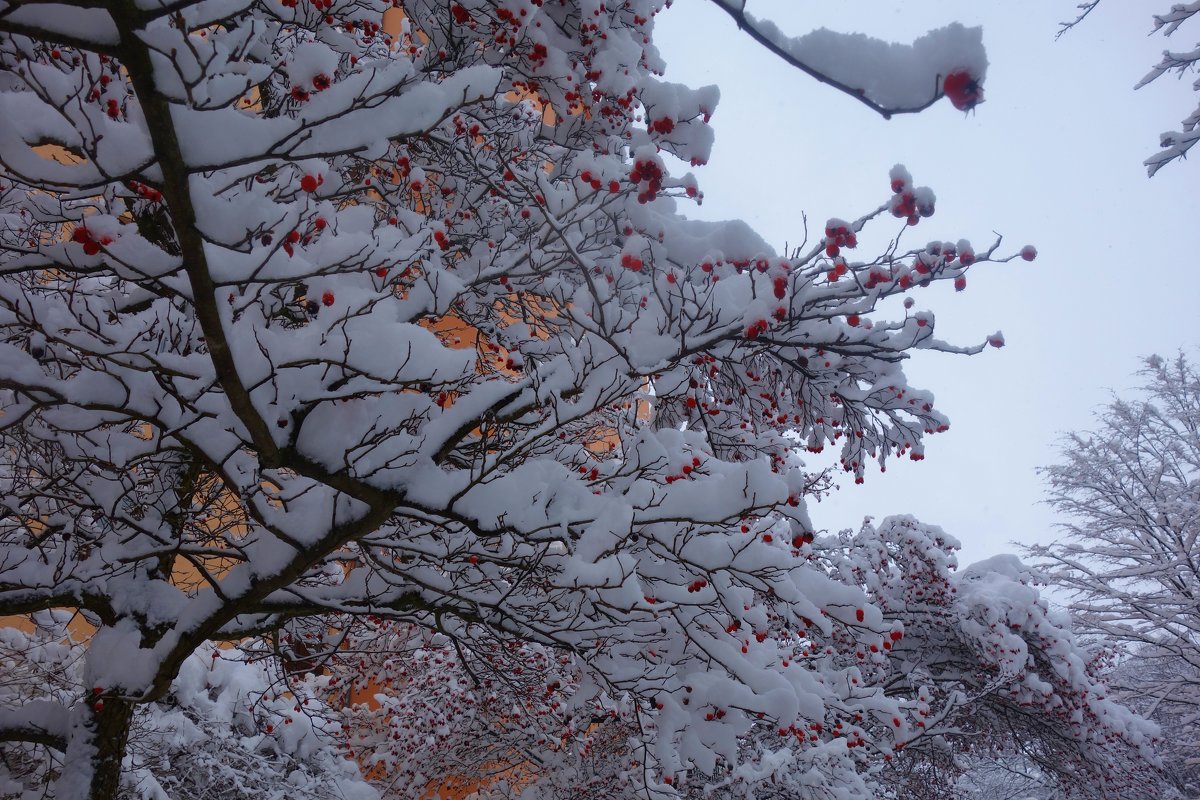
<point x="838" y="234"/>
<point x="876" y="277"/>
<point x="662" y="125"/>
<point x="146" y="192"/>
<point x="756" y="329"/>
<point x="538" y="53"/>
<point x="587" y="177"/>
<point x="104" y="80"/>
<point x="686" y="469"/>
<point x="292" y="238"/>
<point x="649" y="177"/>
<point x="838" y="269"/>
<point x="91" y="245"/>
<point x="630" y="261"/>
<point x="320" y="83"/>
<point x="906" y="205"/>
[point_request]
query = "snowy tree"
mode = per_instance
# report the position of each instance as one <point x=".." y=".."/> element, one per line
<point x="1174" y="144"/>
<point x="987" y="671"/>
<point x="1130" y="491"/>
<point x="315" y="318"/>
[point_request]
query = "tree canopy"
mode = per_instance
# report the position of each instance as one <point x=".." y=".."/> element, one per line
<point x="336" y="343"/>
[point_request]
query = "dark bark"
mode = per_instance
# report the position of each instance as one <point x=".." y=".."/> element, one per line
<point x="100" y="739"/>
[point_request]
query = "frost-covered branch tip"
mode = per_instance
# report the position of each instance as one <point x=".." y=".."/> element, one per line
<point x="1175" y="144"/>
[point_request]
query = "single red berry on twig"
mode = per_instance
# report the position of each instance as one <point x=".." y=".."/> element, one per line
<point x="963" y="90"/>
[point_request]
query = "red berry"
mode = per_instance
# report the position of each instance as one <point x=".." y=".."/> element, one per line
<point x="859" y="614"/>
<point x="853" y="320"/>
<point x="1029" y="252"/>
<point x="960" y="283"/>
<point x="327" y="298"/>
<point x="963" y="90"/>
<point x="308" y="183"/>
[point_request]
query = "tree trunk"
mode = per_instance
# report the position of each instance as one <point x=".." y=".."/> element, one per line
<point x="112" y="736"/>
<point x="96" y="748"/>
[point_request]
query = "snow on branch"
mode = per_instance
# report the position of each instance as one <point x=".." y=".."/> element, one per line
<point x="1175" y="144"/>
<point x="39" y="721"/>
<point x="887" y="77"/>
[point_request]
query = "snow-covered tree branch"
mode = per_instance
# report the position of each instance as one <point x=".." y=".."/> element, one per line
<point x="1175" y="144"/>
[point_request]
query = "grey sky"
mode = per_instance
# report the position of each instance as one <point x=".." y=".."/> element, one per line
<point x="1053" y="158"/>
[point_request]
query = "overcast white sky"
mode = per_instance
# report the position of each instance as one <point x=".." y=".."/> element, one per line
<point x="1053" y="158"/>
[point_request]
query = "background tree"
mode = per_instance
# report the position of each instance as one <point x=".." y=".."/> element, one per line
<point x="989" y="670"/>
<point x="304" y="324"/>
<point x="1130" y="491"/>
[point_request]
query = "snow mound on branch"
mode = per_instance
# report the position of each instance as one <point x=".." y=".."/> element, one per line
<point x="890" y="74"/>
<point x="1005" y="564"/>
